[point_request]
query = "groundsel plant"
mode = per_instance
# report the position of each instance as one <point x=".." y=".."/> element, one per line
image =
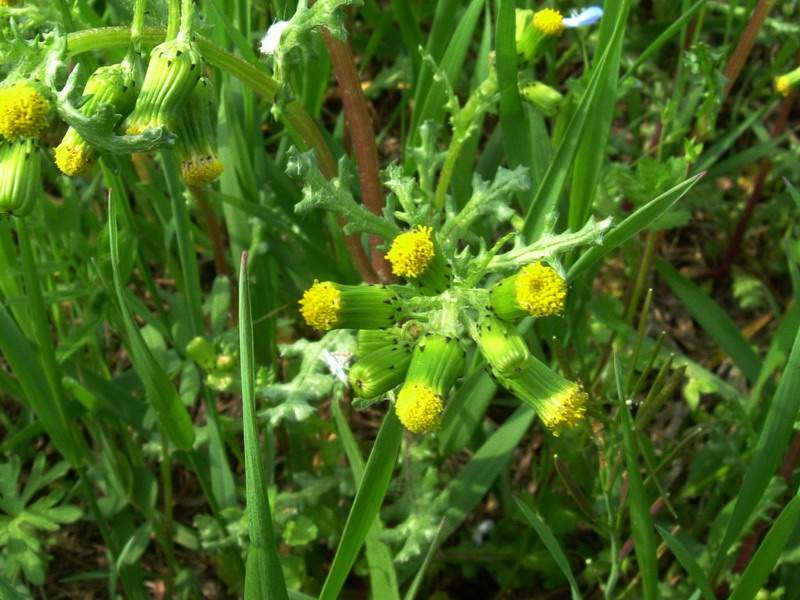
<point x="414" y="337"/>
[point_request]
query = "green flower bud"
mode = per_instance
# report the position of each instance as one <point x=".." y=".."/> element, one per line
<point x="436" y="362"/>
<point x="372" y="340"/>
<point x="196" y="143"/>
<point x="544" y="98"/>
<point x="785" y="83"/>
<point x="381" y="370"/>
<point x="329" y="305"/>
<point x="416" y="256"/>
<point x="525" y="34"/>
<point x="20" y="176"/>
<point x="560" y="403"/>
<point x="201" y="351"/>
<point x="172" y="75"/>
<point x="536" y="290"/>
<point x="114" y="85"/>
<point x="502" y="346"/>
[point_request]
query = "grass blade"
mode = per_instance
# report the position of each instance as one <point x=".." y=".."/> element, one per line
<point x="264" y="575"/>
<point x="631" y="225"/>
<point x="368" y="500"/>
<point x="382" y="574"/>
<point x="171" y="413"/>
<point x="772" y="444"/>
<point x="644" y="538"/>
<point x="714" y="320"/>
<point x="553" y="183"/>
<point x="552" y="545"/>
<point x="768" y="553"/>
<point x="688" y="562"/>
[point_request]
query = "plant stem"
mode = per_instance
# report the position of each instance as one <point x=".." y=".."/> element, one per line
<point x="463" y="122"/>
<point x="294" y="113"/>
<point x="173" y="18"/>
<point x="363" y="135"/>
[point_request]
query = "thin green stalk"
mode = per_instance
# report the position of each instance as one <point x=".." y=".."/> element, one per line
<point x="173" y="18"/>
<point x="167" y="543"/>
<point x="137" y="23"/>
<point x="187" y="17"/>
<point x="463" y="123"/>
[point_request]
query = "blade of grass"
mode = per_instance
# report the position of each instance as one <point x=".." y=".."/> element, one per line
<point x="552" y="545"/>
<point x="366" y="504"/>
<point x="553" y="182"/>
<point x="644" y="538"/>
<point x="590" y="155"/>
<point x="768" y="553"/>
<point x="382" y="574"/>
<point x="772" y="444"/>
<point x="513" y="119"/>
<point x="171" y="413"/>
<point x="631" y="225"/>
<point x="714" y="320"/>
<point x="263" y="575"/>
<point x="688" y="562"/>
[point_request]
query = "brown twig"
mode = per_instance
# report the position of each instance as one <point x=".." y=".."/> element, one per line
<point x="734" y="246"/>
<point x="363" y="136"/>
<point x="745" y="45"/>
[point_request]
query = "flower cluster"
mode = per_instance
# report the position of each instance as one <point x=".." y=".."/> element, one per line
<point x="24" y="112"/>
<point x="411" y="336"/>
<point x="172" y="97"/>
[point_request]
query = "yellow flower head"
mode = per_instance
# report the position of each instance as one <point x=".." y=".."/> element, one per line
<point x="320" y="305"/>
<point x="202" y="170"/>
<point x="564" y="410"/>
<point x="411" y="252"/>
<point x="783" y="85"/>
<point x="73" y="155"/>
<point x="419" y="408"/>
<point x="549" y="21"/>
<point x="540" y="290"/>
<point x="23" y="111"/>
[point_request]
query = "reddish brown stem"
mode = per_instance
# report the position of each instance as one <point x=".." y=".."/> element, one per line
<point x="745" y="45"/>
<point x="362" y="134"/>
<point x="741" y="226"/>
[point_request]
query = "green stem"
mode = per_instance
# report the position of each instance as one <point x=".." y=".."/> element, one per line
<point x="187" y="17"/>
<point x="137" y="23"/>
<point x="166" y="490"/>
<point x="173" y="18"/>
<point x="463" y="123"/>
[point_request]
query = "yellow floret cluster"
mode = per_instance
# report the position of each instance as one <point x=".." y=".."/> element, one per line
<point x="540" y="290"/>
<point x="549" y="21"/>
<point x="202" y="170"/>
<point x="320" y="305"/>
<point x="564" y="410"/>
<point x="783" y="85"/>
<point x="419" y="408"/>
<point x="73" y="159"/>
<point x="411" y="252"/>
<point x="23" y="111"/>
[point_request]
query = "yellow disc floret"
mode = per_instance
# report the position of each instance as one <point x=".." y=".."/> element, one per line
<point x="564" y="410"/>
<point x="411" y="252"/>
<point x="549" y="21"/>
<point x="540" y="290"/>
<point x="419" y="408"/>
<point x="74" y="159"/>
<point x="320" y="305"/>
<point x="202" y="170"/>
<point x="23" y="111"/>
<point x="783" y="85"/>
